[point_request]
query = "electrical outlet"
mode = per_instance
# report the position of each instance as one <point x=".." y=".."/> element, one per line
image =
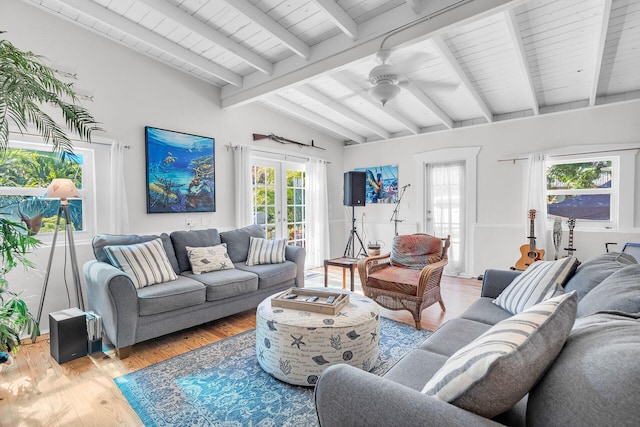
<point x="190" y="223"/>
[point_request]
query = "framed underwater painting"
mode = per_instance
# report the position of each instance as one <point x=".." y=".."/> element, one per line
<point x="381" y="185"/>
<point x="180" y="172"/>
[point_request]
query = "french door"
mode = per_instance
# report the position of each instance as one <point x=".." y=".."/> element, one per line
<point x="279" y="199"/>
<point x="445" y="208"/>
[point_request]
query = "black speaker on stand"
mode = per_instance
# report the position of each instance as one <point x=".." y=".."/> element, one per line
<point x="354" y="195"/>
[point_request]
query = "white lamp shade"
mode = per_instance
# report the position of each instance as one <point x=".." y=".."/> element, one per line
<point x="384" y="92"/>
<point x="63" y="189"/>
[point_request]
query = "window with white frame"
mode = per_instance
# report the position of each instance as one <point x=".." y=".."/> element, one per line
<point x="584" y="188"/>
<point x="26" y="170"/>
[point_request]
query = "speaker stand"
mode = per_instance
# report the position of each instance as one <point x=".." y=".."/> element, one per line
<point x="353" y="234"/>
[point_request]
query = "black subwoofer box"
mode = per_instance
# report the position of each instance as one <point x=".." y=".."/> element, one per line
<point x="68" y="334"/>
<point x="354" y="188"/>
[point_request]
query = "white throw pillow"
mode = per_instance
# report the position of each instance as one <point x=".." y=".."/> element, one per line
<point x="145" y="263"/>
<point x="539" y="282"/>
<point x="263" y="251"/>
<point x="209" y="258"/>
<point x="494" y="371"/>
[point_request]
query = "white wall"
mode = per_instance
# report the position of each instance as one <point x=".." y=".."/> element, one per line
<point x="131" y="91"/>
<point x="501" y="219"/>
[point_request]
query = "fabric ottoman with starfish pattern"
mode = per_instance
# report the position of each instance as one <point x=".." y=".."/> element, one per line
<point x="295" y="346"/>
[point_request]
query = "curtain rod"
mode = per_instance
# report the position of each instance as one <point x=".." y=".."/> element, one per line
<point x="230" y="146"/>
<point x="573" y="154"/>
<point x="70" y="139"/>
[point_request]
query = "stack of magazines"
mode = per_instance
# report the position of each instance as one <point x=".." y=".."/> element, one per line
<point x="94" y="331"/>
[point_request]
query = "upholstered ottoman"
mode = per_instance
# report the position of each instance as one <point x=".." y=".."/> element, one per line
<point x="296" y="346"/>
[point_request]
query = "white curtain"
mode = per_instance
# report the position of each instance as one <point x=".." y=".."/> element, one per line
<point x="317" y="213"/>
<point x="447" y="196"/>
<point x="242" y="175"/>
<point x="119" y="211"/>
<point x="535" y="199"/>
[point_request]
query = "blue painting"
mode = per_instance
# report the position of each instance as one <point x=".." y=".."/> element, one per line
<point x="381" y="184"/>
<point x="180" y="172"/>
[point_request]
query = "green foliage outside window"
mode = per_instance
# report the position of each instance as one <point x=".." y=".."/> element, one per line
<point x="576" y="175"/>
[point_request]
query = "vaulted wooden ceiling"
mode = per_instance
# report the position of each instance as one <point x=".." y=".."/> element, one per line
<point x="462" y="62"/>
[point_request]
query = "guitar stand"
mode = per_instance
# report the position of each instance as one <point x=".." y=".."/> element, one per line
<point x="353" y="234"/>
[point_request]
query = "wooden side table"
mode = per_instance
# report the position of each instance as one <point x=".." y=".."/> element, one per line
<point x="344" y="263"/>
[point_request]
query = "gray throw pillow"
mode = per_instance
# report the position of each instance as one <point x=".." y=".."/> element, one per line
<point x="594" y="270"/>
<point x="595" y="379"/>
<point x="619" y="292"/>
<point x="238" y="241"/>
<point x="497" y="369"/>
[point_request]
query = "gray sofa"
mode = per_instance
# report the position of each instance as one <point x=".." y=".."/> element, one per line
<point x="594" y="381"/>
<point x="131" y="315"/>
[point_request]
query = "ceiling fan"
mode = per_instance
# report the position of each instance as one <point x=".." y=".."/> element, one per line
<point x="387" y="80"/>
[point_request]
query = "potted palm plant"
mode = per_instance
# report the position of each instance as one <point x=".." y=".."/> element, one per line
<point x="26" y="85"/>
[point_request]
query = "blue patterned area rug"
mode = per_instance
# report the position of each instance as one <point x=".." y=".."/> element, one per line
<point x="222" y="384"/>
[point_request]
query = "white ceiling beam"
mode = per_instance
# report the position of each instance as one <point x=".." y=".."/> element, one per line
<point x="339" y="17"/>
<point x="140" y="33"/>
<point x="416" y="6"/>
<point x="269" y="25"/>
<point x="450" y="59"/>
<point x="313" y="94"/>
<point x="313" y="118"/>
<point x="604" y="27"/>
<point x="364" y="95"/>
<point x="427" y="102"/>
<point x="185" y="19"/>
<point x="521" y="57"/>
<point x="339" y="51"/>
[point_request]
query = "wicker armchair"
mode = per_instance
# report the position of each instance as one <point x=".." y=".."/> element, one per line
<point x="408" y="278"/>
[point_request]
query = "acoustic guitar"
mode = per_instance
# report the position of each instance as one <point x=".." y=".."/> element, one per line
<point x="529" y="252"/>
<point x="571" y="223"/>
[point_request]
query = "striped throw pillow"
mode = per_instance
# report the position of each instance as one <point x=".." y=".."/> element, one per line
<point x="263" y="251"/>
<point x="539" y="282"/>
<point x="494" y="371"/>
<point x="145" y="263"/>
<point x="209" y="258"/>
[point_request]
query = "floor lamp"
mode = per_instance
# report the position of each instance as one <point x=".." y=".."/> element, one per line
<point x="63" y="189"/>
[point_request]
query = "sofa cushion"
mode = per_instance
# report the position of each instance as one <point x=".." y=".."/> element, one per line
<point x="271" y="274"/>
<point x="194" y="238"/>
<point x="594" y="380"/>
<point x="238" y="241"/>
<point x="145" y="263"/>
<point x="226" y="283"/>
<point x="454" y="335"/>
<point x="102" y="240"/>
<point x="415" y="368"/>
<point x="483" y="310"/>
<point x="263" y="251"/>
<point x="539" y="282"/>
<point x="620" y="292"/>
<point x="594" y="270"/>
<point x="497" y="369"/>
<point x="396" y="279"/>
<point x="181" y="293"/>
<point x="209" y="258"/>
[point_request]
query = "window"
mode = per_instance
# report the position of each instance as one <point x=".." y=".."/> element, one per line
<point x="26" y="169"/>
<point x="279" y="187"/>
<point x="583" y="188"/>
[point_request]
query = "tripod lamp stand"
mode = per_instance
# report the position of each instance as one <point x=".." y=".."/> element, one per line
<point x="63" y="189"/>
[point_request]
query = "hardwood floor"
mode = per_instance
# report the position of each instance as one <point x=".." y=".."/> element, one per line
<point x="36" y="391"/>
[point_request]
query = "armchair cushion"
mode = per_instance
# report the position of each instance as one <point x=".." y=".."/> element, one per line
<point x="539" y="282"/>
<point x="415" y="250"/>
<point x="493" y="372"/>
<point x="395" y="279"/>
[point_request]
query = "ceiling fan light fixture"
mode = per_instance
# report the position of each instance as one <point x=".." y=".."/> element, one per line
<point x="384" y="92"/>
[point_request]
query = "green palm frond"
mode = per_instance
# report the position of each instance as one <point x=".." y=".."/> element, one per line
<point x="25" y="86"/>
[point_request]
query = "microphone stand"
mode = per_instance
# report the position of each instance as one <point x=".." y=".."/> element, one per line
<point x="394" y="216"/>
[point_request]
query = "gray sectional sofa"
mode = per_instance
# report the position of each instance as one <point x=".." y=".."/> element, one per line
<point x="131" y="315"/>
<point x="593" y="381"/>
